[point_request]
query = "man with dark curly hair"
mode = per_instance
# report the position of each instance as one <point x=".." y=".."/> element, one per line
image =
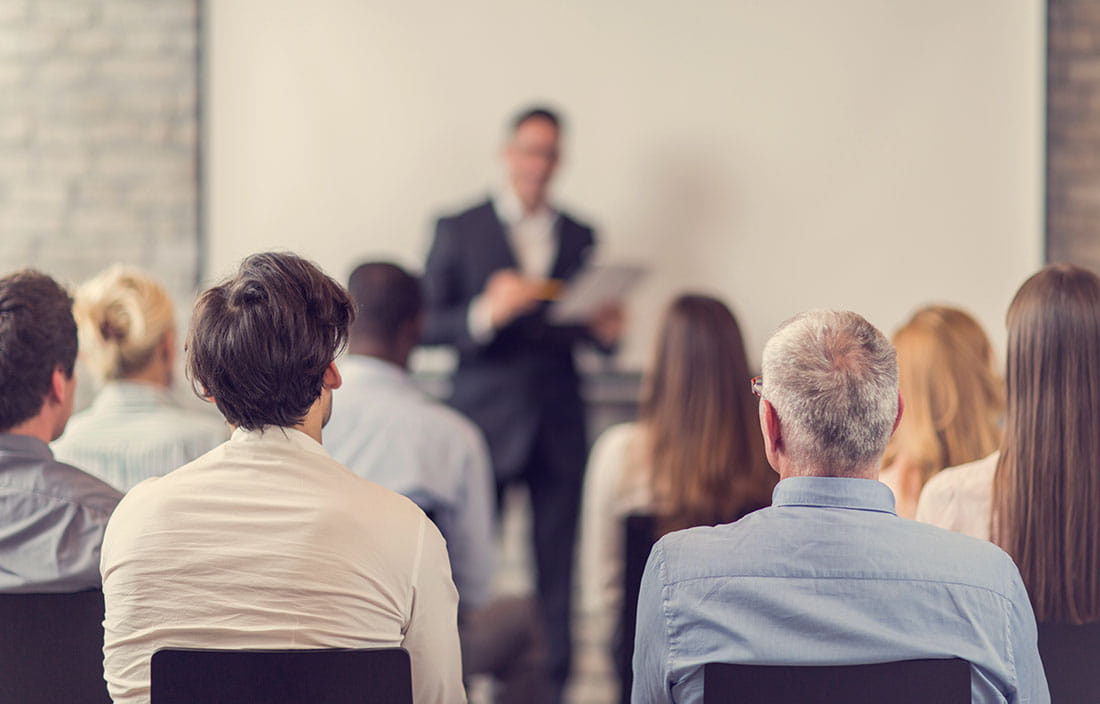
<point x="266" y="541"/>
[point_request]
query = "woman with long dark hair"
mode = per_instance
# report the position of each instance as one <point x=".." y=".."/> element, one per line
<point x="1038" y="496"/>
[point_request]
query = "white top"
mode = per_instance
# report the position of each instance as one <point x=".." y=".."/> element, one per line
<point x="615" y="486"/>
<point x="961" y="498"/>
<point x="533" y="239"/>
<point x="267" y="542"/>
<point x="384" y="428"/>
<point x="133" y="431"/>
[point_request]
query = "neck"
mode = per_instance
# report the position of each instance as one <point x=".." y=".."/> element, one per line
<point x="40" y="427"/>
<point x="790" y="470"/>
<point x="154" y="374"/>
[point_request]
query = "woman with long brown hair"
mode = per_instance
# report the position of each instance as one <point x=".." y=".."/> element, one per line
<point x="953" y="401"/>
<point x="695" y="456"/>
<point x="1038" y="497"/>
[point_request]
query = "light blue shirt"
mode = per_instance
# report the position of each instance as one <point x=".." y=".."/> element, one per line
<point x="133" y="431"/>
<point x="385" y="429"/>
<point x="52" y="519"/>
<point x="830" y="575"/>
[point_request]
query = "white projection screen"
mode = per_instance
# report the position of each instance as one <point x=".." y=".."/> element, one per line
<point x="866" y="154"/>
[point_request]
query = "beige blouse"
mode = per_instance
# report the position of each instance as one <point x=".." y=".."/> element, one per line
<point x="960" y="498"/>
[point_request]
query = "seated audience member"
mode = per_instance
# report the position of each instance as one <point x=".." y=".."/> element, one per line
<point x="1038" y="496"/>
<point x="134" y="429"/>
<point x="266" y="541"/>
<point x="52" y="515"/>
<point x="829" y="574"/>
<point x="953" y="401"/>
<point x="384" y="428"/>
<point x="694" y="458"/>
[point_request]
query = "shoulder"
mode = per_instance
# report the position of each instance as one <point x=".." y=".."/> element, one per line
<point x="959" y="497"/>
<point x="68" y="483"/>
<point x="481" y="210"/>
<point x="613" y="444"/>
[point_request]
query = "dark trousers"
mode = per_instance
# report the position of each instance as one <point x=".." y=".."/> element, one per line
<point x="554" y="475"/>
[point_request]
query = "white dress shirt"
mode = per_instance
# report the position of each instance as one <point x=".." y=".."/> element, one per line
<point x="133" y="431"/>
<point x="385" y="429"/>
<point x="533" y="239"/>
<point x="267" y="542"/>
<point x="961" y="498"/>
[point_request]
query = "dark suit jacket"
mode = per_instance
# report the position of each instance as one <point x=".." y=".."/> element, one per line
<point x="524" y="378"/>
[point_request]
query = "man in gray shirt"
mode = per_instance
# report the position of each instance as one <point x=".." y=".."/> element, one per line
<point x="52" y="515"/>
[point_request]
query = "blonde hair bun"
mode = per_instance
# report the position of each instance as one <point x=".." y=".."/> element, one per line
<point x="122" y="315"/>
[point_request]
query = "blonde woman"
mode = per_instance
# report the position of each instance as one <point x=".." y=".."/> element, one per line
<point x="134" y="429"/>
<point x="953" y="401"/>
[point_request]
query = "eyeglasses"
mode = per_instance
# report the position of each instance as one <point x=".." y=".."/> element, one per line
<point x="756" y="384"/>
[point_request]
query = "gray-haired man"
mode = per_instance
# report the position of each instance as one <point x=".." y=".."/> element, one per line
<point x="829" y="574"/>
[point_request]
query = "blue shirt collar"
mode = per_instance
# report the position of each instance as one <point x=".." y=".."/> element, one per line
<point x="834" y="492"/>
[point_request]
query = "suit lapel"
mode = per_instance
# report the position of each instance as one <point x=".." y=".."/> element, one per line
<point x="498" y="252"/>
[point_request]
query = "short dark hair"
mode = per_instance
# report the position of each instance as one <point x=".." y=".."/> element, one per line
<point x="260" y="342"/>
<point x="539" y="112"/>
<point x="386" y="297"/>
<point x="37" y="336"/>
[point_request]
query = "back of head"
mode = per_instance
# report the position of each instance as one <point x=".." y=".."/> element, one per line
<point x="37" y="336"/>
<point x="387" y="298"/>
<point x="832" y="378"/>
<point x="953" y="398"/>
<point x="260" y="342"/>
<point x="703" y="447"/>
<point x="122" y="315"/>
<point x="1047" y="485"/>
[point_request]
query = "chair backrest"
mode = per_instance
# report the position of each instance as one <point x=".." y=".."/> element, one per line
<point x="1071" y="658"/>
<point x="51" y="648"/>
<point x="640" y="536"/>
<point x="337" y="676"/>
<point x="902" y="682"/>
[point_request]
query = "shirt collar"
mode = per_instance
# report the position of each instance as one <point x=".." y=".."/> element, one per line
<point x="25" y="445"/>
<point x="273" y="435"/>
<point x="510" y="211"/>
<point x="834" y="492"/>
<point x="132" y="394"/>
<point x="375" y="370"/>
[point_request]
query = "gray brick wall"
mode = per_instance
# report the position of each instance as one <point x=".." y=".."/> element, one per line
<point x="1073" y="132"/>
<point x="99" y="137"/>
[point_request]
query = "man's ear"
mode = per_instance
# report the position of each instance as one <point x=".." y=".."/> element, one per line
<point x="59" y="383"/>
<point x="901" y="408"/>
<point x="331" y="379"/>
<point x="773" y="436"/>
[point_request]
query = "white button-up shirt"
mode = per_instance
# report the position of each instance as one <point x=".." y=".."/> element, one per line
<point x="267" y="542"/>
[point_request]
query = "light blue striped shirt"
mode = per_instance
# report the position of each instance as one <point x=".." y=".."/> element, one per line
<point x="133" y="431"/>
<point x="830" y="575"/>
<point x="385" y="429"/>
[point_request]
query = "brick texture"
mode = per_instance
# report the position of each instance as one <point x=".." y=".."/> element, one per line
<point x="1073" y="132"/>
<point x="99" y="137"/>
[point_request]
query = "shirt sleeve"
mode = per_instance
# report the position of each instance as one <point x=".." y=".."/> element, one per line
<point x="469" y="529"/>
<point x="1031" y="680"/>
<point x="479" y="320"/>
<point x="651" y="642"/>
<point x="602" y="545"/>
<point x="431" y="637"/>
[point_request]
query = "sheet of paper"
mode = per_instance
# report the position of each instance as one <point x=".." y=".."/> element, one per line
<point x="594" y="288"/>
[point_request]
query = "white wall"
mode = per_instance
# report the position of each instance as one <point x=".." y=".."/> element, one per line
<point x="867" y="154"/>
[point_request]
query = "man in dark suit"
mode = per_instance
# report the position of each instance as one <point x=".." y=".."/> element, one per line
<point x="490" y="273"/>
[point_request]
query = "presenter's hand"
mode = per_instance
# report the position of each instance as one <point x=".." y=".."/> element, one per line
<point x="608" y="324"/>
<point x="510" y="296"/>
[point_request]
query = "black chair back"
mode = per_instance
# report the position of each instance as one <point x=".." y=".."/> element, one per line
<point x="337" y="676"/>
<point x="51" y="648"/>
<point x="902" y="682"/>
<point x="640" y="537"/>
<point x="1071" y="659"/>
